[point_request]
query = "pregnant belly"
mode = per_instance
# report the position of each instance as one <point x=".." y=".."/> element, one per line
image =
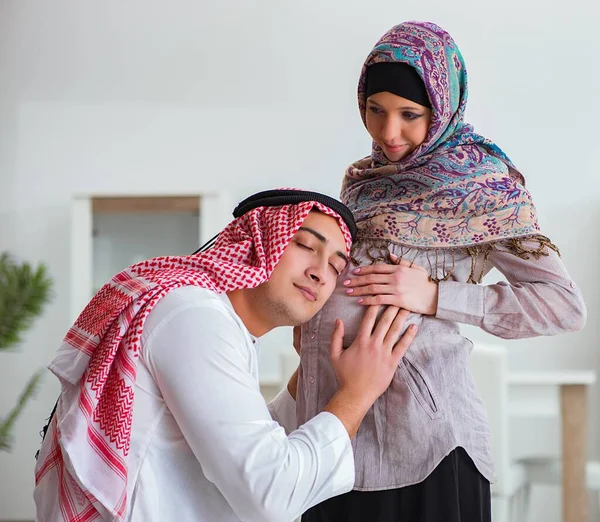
<point x="341" y="306"/>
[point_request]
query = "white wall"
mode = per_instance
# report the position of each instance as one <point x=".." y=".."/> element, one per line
<point x="189" y="96"/>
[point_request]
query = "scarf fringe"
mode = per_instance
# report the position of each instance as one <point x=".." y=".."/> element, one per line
<point x="443" y="259"/>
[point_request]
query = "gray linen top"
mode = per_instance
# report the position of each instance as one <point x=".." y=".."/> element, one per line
<point x="432" y="405"/>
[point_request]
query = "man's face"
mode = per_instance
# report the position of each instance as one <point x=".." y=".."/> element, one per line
<point x="306" y="275"/>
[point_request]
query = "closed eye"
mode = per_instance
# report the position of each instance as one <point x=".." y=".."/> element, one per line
<point x="305" y="247"/>
<point x="337" y="271"/>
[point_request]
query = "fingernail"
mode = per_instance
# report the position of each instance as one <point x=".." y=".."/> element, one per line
<point x="350" y="290"/>
<point x="412" y="327"/>
<point x="347" y="282"/>
<point x="360" y="300"/>
<point x="356" y="270"/>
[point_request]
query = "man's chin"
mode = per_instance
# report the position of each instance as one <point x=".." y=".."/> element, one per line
<point x="298" y="313"/>
<point x="298" y="320"/>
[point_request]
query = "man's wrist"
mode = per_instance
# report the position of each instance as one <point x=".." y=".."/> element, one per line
<point x="350" y="408"/>
<point x="357" y="400"/>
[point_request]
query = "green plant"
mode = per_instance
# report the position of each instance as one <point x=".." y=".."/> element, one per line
<point x="23" y="293"/>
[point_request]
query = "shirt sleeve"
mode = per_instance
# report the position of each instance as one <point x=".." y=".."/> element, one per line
<point x="539" y="298"/>
<point x="283" y="410"/>
<point x="199" y="357"/>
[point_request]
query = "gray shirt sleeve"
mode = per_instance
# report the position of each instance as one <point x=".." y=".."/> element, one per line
<point x="540" y="298"/>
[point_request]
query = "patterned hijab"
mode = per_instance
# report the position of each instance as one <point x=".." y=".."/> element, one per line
<point x="457" y="189"/>
<point x="84" y="458"/>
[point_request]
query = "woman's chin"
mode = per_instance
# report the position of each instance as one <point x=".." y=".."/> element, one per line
<point x="395" y="157"/>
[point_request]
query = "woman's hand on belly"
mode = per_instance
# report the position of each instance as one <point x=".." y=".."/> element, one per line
<point x="403" y="285"/>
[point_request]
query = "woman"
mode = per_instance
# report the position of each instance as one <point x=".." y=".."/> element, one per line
<point x="437" y="206"/>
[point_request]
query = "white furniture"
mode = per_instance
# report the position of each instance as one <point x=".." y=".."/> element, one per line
<point x="112" y="231"/>
<point x="549" y="472"/>
<point x="572" y="471"/>
<point x="503" y="396"/>
<point x="489" y="367"/>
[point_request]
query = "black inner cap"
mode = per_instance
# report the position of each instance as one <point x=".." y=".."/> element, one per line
<point x="279" y="197"/>
<point x="398" y="78"/>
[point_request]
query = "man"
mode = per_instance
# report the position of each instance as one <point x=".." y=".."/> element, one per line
<point x="179" y="334"/>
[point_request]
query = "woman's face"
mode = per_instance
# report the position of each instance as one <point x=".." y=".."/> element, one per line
<point x="396" y="124"/>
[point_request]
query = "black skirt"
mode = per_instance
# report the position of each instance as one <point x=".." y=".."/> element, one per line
<point x="454" y="492"/>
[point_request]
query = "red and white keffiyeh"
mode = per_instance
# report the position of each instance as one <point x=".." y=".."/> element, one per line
<point x="83" y="462"/>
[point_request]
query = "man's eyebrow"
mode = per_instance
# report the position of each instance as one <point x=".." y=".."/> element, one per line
<point x="318" y="235"/>
<point x="343" y="256"/>
<point x="323" y="240"/>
